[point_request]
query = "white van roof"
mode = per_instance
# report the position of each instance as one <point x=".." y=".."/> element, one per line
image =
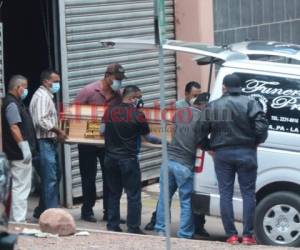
<point x="235" y="55"/>
<point x="206" y="53"/>
<point x="265" y="66"/>
<point x="259" y="49"/>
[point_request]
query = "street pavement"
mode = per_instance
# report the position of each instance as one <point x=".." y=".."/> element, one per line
<point x="99" y="238"/>
<point x="149" y="200"/>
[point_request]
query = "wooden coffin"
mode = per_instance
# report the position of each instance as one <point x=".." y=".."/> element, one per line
<point x="82" y="123"/>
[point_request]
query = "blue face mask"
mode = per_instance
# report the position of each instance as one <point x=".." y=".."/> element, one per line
<point x="24" y="95"/>
<point x="55" y="87"/>
<point x="116" y="85"/>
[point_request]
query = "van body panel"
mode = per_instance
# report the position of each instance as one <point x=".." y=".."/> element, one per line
<point x="278" y="157"/>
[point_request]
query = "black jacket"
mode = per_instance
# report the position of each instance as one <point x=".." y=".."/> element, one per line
<point x="10" y="146"/>
<point x="235" y="120"/>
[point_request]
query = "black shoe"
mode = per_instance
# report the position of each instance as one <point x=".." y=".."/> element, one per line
<point x="202" y="232"/>
<point x="136" y="231"/>
<point x="104" y="217"/>
<point x="34" y="220"/>
<point x="115" y="229"/>
<point x="122" y="221"/>
<point x="150" y="226"/>
<point x="90" y="218"/>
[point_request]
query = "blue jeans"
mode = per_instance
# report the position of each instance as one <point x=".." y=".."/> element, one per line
<point x="123" y="173"/>
<point x="182" y="178"/>
<point x="228" y="162"/>
<point x="49" y="172"/>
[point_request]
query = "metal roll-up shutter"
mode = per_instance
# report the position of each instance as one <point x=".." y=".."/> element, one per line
<point x="2" y="86"/>
<point x="83" y="23"/>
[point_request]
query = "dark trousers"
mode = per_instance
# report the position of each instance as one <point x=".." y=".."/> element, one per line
<point x="228" y="162"/>
<point x="124" y="173"/>
<point x="88" y="155"/>
<point x="199" y="221"/>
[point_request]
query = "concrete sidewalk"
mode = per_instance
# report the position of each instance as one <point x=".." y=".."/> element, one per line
<point x="149" y="201"/>
<point x="101" y="239"/>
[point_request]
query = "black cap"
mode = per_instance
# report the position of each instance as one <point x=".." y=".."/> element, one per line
<point x="116" y="70"/>
<point x="202" y="98"/>
<point x="232" y="83"/>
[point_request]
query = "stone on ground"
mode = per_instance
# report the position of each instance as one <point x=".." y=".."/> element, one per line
<point x="57" y="221"/>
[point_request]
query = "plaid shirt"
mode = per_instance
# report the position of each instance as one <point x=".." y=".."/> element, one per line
<point x="43" y="112"/>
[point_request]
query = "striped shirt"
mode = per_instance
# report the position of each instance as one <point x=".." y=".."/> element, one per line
<point x="43" y="112"/>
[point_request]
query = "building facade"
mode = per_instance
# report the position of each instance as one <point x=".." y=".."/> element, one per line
<point x="66" y="34"/>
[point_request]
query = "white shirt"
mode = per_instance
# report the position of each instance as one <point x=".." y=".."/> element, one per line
<point x="43" y="112"/>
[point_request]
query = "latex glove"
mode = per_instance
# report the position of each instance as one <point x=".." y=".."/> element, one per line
<point x="152" y="139"/>
<point x="24" y="146"/>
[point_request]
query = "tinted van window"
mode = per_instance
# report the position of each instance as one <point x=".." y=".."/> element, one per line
<point x="279" y="97"/>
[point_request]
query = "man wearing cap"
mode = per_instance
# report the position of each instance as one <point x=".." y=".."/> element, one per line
<point x="237" y="125"/>
<point x="101" y="92"/>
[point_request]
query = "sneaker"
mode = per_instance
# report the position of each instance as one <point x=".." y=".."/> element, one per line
<point x="202" y="232"/>
<point x="233" y="240"/>
<point x="90" y="218"/>
<point x="136" y="231"/>
<point x="115" y="229"/>
<point x="248" y="240"/>
<point x="150" y="226"/>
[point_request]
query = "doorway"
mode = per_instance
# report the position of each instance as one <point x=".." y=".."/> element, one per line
<point x="28" y="39"/>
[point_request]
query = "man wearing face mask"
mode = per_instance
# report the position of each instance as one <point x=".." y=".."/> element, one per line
<point x="192" y="90"/>
<point x="125" y="124"/>
<point x="45" y="119"/>
<point x="19" y="144"/>
<point x="102" y="92"/>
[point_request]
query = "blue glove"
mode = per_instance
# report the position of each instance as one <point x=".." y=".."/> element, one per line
<point x="152" y="139"/>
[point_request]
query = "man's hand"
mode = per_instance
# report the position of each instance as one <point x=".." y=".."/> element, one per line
<point x="61" y="136"/>
<point x="152" y="139"/>
<point x="24" y="146"/>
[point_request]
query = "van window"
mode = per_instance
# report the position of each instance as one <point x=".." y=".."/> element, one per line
<point x="279" y="97"/>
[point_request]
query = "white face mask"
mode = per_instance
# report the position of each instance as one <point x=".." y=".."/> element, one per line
<point x="193" y="100"/>
<point x="116" y="85"/>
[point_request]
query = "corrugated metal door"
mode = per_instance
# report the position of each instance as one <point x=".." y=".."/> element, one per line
<point x="83" y="23"/>
<point x="2" y="86"/>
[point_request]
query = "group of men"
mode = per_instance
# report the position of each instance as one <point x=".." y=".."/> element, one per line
<point x="230" y="129"/>
<point x="230" y="140"/>
<point x="32" y="136"/>
<point x="125" y="125"/>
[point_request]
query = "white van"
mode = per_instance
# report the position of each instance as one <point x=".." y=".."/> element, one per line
<point x="277" y="87"/>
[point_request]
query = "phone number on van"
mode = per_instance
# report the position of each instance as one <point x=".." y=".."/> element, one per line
<point x="285" y="119"/>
